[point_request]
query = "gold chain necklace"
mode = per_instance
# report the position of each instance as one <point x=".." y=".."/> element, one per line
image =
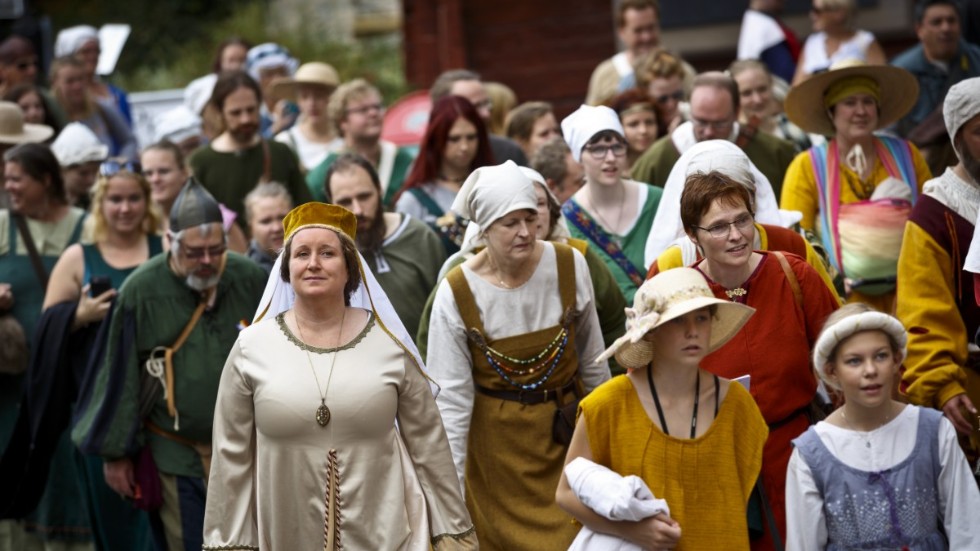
<point x="496" y="271"/>
<point x="322" y="412"/>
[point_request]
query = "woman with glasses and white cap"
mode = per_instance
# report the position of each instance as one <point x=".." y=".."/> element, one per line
<point x="610" y="212"/>
<point x="513" y="338"/>
<point x="326" y="431"/>
<point x="694" y="439"/>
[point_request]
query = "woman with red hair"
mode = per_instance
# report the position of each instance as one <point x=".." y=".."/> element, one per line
<point x="455" y="144"/>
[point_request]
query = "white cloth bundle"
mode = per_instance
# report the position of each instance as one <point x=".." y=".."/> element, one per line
<point x="612" y="496"/>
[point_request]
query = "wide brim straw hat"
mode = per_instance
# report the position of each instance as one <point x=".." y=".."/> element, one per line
<point x="13" y="129"/>
<point x="667" y="296"/>
<point x="805" y="102"/>
<point x="314" y="73"/>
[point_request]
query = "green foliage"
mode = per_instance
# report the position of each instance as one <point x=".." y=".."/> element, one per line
<point x="173" y="64"/>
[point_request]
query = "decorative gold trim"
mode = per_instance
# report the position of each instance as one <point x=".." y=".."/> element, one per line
<point x="292" y="338"/>
<point x="332" y="518"/>
<point x="458" y="536"/>
<point x="736" y="292"/>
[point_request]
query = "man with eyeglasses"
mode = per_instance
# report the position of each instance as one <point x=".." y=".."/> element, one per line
<point x="240" y="158"/>
<point x="714" y="115"/>
<point x="357" y="113"/>
<point x="151" y="401"/>
<point x="467" y="84"/>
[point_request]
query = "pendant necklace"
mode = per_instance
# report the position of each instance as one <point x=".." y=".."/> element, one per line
<point x="496" y="272"/>
<point x="619" y="217"/>
<point x="865" y="435"/>
<point x="322" y="412"/>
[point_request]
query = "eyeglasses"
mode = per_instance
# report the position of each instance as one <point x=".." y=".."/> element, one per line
<point x="111" y="168"/>
<point x="364" y="110"/>
<point x="667" y="98"/>
<point x="198" y="253"/>
<point x="714" y="125"/>
<point x="599" y="152"/>
<point x="723" y="229"/>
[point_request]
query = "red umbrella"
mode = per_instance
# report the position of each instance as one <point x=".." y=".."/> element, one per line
<point x="405" y="121"/>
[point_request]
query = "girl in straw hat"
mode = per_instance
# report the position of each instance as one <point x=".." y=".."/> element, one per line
<point x="673" y="424"/>
<point x="856" y="191"/>
<point x="877" y="474"/>
<point x="313" y="136"/>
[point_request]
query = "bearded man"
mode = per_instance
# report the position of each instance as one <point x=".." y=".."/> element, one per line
<point x="402" y="252"/>
<point x="170" y="331"/>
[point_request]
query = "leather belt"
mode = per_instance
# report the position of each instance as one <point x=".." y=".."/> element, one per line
<point x="530" y="397"/>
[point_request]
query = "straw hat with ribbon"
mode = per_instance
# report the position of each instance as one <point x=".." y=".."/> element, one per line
<point x="667" y="296"/>
<point x="13" y="129"/>
<point x="808" y="103"/>
<point x="308" y="74"/>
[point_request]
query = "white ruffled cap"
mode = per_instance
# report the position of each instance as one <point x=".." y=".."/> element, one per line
<point x="587" y="121"/>
<point x="71" y="39"/>
<point x="176" y="124"/>
<point x="833" y="335"/>
<point x="722" y="156"/>
<point x="961" y="105"/>
<point x="77" y="144"/>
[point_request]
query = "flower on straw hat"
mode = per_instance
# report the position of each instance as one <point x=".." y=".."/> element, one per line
<point x="665" y="297"/>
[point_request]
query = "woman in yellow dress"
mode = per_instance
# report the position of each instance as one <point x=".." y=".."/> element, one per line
<point x="699" y="450"/>
<point x="856" y="190"/>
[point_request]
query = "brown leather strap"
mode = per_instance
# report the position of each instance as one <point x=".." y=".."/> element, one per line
<point x="169" y="352"/>
<point x="565" y="261"/>
<point x="794" y="283"/>
<point x="25" y="235"/>
<point x="465" y="300"/>
<point x="266" y="162"/>
<point x="203" y="449"/>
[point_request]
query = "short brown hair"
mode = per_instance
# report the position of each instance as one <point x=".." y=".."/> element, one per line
<point x="638" y="5"/>
<point x="443" y="84"/>
<point x="520" y="121"/>
<point x="658" y="63"/>
<point x="701" y="190"/>
<point x="348" y="249"/>
<point x="549" y="160"/>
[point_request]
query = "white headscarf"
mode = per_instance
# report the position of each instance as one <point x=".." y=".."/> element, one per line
<point x="587" y="121"/>
<point x="727" y="158"/>
<point x="77" y="144"/>
<point x="71" y="39"/>
<point x="962" y="103"/>
<point x="489" y="194"/>
<point x="176" y="124"/>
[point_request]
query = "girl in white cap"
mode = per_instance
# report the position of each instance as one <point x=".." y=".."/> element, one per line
<point x="609" y="211"/>
<point x="877" y="473"/>
<point x="695" y="439"/>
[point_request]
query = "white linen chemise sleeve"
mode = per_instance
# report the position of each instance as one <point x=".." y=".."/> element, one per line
<point x="959" y="498"/>
<point x="806" y="525"/>
<point x="230" y="514"/>
<point x="450" y="365"/>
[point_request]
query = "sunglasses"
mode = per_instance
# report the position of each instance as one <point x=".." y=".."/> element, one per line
<point x="111" y="168"/>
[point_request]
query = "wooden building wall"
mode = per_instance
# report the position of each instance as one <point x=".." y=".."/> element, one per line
<point x="543" y="49"/>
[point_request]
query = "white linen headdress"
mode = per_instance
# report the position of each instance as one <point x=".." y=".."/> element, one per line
<point x="490" y="193"/>
<point x="587" y="121"/>
<point x="727" y="158"/>
<point x="71" y="39"/>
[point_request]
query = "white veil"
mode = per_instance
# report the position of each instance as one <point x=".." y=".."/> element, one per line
<point x="725" y="157"/>
<point x="279" y="297"/>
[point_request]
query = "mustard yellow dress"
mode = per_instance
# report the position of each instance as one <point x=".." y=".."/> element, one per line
<point x="706" y="481"/>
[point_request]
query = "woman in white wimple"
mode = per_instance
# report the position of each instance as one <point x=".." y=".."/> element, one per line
<point x="326" y="432"/>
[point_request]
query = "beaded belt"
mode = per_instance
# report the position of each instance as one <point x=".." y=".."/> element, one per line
<point x="530" y="397"/>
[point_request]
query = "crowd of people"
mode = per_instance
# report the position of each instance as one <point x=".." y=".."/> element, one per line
<point x="707" y="309"/>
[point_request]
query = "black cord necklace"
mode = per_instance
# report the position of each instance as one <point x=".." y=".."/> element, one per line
<point x="697" y="398"/>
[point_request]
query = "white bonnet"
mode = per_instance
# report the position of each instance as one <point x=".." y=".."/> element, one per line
<point x="77" y="144"/>
<point x="587" y="121"/>
<point x="71" y="39"/>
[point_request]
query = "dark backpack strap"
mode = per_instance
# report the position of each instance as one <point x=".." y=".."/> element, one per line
<point x="428" y="202"/>
<point x="266" y="162"/>
<point x="25" y="235"/>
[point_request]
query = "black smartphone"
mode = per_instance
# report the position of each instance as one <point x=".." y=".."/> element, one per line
<point x="99" y="285"/>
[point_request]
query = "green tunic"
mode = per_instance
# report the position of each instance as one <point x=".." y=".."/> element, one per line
<point x="632" y="243"/>
<point x="151" y="310"/>
<point x="407" y="268"/>
<point x="391" y="182"/>
<point x="230" y="176"/>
